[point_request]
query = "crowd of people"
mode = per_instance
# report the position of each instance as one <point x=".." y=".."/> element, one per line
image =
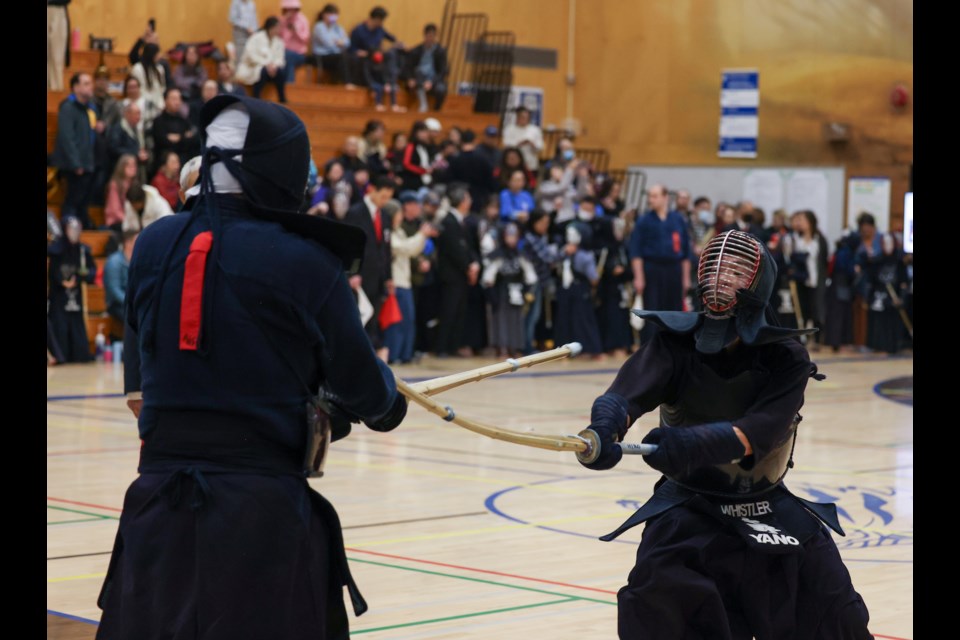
<point x="477" y="244"/>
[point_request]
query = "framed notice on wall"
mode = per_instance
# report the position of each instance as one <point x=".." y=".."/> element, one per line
<point x="739" y="120"/>
<point x="868" y="195"/>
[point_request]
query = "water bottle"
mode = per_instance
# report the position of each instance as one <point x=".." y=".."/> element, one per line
<point x="101" y="343"/>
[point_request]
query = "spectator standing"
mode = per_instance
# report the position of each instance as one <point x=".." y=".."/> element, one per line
<point x="126" y="137"/>
<point x="125" y="173"/>
<point x="576" y="320"/>
<point x="243" y="19"/>
<point x="511" y="281"/>
<point x="167" y="179"/>
<point x="423" y="277"/>
<point x="58" y="38"/>
<point x="556" y="195"/>
<point x="489" y="146"/>
<point x="133" y="94"/>
<point x="400" y="338"/>
<point x="71" y="263"/>
<point x="526" y="136"/>
<point x="416" y="159"/>
<point x="263" y="60"/>
<point x="516" y="203"/>
<point x="473" y="167"/>
<point x="153" y="82"/>
<point x="371" y="148"/>
<point x="108" y="107"/>
<point x="427" y="70"/>
<point x="544" y="256"/>
<point x="609" y="197"/>
<point x="330" y="43"/>
<point x="660" y="255"/>
<point x="208" y="92"/>
<point x="458" y="268"/>
<point x="115" y="275"/>
<point x="841" y="273"/>
<point x="614" y="291"/>
<point x="375" y="275"/>
<point x="350" y="156"/>
<point x="398" y="145"/>
<point x="171" y="131"/>
<point x="805" y="252"/>
<point x="73" y="152"/>
<point x="296" y="37"/>
<point x="512" y="160"/>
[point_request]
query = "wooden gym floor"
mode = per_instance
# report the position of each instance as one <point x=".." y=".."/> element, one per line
<point x="452" y="535"/>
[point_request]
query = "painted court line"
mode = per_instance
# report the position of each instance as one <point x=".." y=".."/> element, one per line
<point x="83" y="504"/>
<point x="480" y="580"/>
<point x="485" y="571"/>
<point x="462" y="616"/>
<point x="61" y="614"/>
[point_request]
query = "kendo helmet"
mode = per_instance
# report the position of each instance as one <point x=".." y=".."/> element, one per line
<point x="737" y="277"/>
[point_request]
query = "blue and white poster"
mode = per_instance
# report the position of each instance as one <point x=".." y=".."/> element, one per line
<point x="739" y="122"/>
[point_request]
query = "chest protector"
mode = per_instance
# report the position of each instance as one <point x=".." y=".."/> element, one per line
<point x="708" y="397"/>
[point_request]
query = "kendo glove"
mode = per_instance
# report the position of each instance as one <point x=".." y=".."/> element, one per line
<point x="682" y="449"/>
<point x="609" y="420"/>
<point x="393" y="417"/>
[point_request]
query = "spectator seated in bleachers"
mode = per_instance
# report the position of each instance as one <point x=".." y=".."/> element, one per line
<point x="263" y="60"/>
<point x="510" y="161"/>
<point x="115" y="275"/>
<point x="124" y="175"/>
<point x="295" y="32"/>
<point x="367" y="37"/>
<point x="167" y="179"/>
<point x="372" y="149"/>
<point x="174" y="132"/>
<point x="153" y="82"/>
<point x="427" y="69"/>
<point x="190" y="75"/>
<point x="381" y="79"/>
<point x="144" y="206"/>
<point x="226" y="82"/>
<point x="330" y="43"/>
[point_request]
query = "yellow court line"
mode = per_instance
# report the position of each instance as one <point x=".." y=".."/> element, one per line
<point x="493" y="481"/>
<point x="82" y="576"/>
<point x="506" y="527"/>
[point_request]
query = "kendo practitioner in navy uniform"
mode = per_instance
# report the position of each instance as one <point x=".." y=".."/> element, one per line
<point x="239" y="317"/>
<point x="660" y="255"/>
<point x="728" y="552"/>
<point x="613" y="292"/>
<point x="71" y="264"/>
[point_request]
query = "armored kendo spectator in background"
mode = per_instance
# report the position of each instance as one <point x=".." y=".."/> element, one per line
<point x="244" y="353"/>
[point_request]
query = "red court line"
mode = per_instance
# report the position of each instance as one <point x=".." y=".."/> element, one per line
<point x="81" y="451"/>
<point x="83" y="504"/>
<point x="487" y="571"/>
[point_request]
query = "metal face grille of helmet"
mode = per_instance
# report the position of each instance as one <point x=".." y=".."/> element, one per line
<point x="728" y="263"/>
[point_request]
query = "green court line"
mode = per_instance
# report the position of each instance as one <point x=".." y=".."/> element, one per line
<point x="462" y="616"/>
<point x="72" y="521"/>
<point x="498" y="584"/>
<point x="85" y="513"/>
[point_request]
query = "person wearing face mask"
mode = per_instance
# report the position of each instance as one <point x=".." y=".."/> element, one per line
<point x="71" y="264"/>
<point x="329" y="43"/>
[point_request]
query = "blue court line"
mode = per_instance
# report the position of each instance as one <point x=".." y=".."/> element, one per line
<point x="490" y="505"/>
<point x="60" y="614"/>
<point x="530" y="374"/>
<point x="876" y="390"/>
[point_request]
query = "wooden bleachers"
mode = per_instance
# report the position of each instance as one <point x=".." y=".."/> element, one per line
<point x="330" y="112"/>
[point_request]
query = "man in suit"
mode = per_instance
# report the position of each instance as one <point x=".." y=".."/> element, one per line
<point x="457" y="269"/>
<point x="427" y="69"/>
<point x="375" y="275"/>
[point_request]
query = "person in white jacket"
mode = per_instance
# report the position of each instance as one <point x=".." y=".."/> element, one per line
<point x="409" y="237"/>
<point x="144" y="206"/>
<point x="263" y="59"/>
